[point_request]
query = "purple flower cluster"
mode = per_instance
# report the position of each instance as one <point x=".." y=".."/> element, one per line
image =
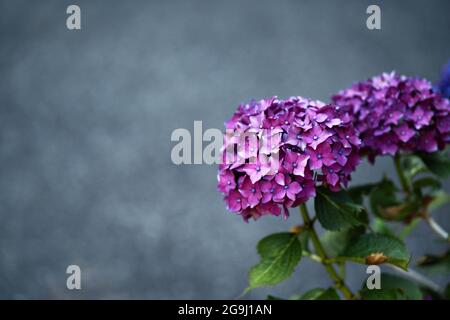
<point x="276" y="151"/>
<point x="395" y="113"/>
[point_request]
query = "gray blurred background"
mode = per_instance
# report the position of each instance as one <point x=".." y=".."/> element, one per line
<point x="86" y="118"/>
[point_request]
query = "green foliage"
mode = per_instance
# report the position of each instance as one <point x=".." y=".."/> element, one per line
<point x="334" y="242"/>
<point x="392" y="288"/>
<point x="270" y="297"/>
<point x="440" y="198"/>
<point x="383" y="200"/>
<point x="426" y="183"/>
<point x="303" y="237"/>
<point x="358" y="193"/>
<point x="407" y="289"/>
<point x="386" y="203"/>
<point x="412" y="166"/>
<point x="381" y="227"/>
<point x="348" y="237"/>
<point x="280" y="253"/>
<point x="437" y="162"/>
<point x="320" y="294"/>
<point x="381" y="294"/>
<point x="436" y="263"/>
<point x="336" y="210"/>
<point x="313" y="294"/>
<point x="390" y="247"/>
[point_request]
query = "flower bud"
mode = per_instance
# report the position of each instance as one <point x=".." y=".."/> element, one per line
<point x="376" y="258"/>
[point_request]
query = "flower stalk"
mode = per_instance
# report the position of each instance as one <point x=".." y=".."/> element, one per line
<point x="401" y="176"/>
<point x="434" y="226"/>
<point x="339" y="282"/>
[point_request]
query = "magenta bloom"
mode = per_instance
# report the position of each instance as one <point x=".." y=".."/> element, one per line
<point x="286" y="188"/>
<point x="395" y="113"/>
<point x="281" y="150"/>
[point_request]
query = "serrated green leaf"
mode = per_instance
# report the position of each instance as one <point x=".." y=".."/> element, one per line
<point x="437" y="162"/>
<point x="392" y="248"/>
<point x="320" y="294"/>
<point x="280" y="253"/>
<point x="393" y="285"/>
<point x="334" y="242"/>
<point x="336" y="210"/>
<point x="408" y="290"/>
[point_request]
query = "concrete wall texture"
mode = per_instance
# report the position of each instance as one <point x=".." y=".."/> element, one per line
<point x="86" y="117"/>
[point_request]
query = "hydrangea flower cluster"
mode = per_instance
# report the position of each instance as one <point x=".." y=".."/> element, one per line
<point x="395" y="113"/>
<point x="276" y="151"/>
<point x="443" y="86"/>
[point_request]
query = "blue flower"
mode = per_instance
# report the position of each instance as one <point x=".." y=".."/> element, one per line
<point x="443" y="86"/>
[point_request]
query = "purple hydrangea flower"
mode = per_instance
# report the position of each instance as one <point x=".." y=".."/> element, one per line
<point x="280" y="150"/>
<point x="395" y="113"/>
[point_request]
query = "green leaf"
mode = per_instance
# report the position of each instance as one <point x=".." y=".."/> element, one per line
<point x="379" y="294"/>
<point x="334" y="242"/>
<point x="385" y="204"/>
<point x="408" y="290"/>
<point x="440" y="199"/>
<point x="336" y="210"/>
<point x="393" y="287"/>
<point x="437" y="162"/>
<point x="357" y="193"/>
<point x="412" y="165"/>
<point x="280" y="253"/>
<point x="320" y="294"/>
<point x="427" y="182"/>
<point x="429" y="294"/>
<point x="384" y="195"/>
<point x="379" y="226"/>
<point x="436" y="263"/>
<point x="393" y="250"/>
<point x="303" y="237"/>
<point x="270" y="297"/>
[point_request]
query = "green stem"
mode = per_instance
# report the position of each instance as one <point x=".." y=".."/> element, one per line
<point x="340" y="284"/>
<point x="342" y="271"/>
<point x="312" y="256"/>
<point x="406" y="189"/>
<point x="401" y="175"/>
